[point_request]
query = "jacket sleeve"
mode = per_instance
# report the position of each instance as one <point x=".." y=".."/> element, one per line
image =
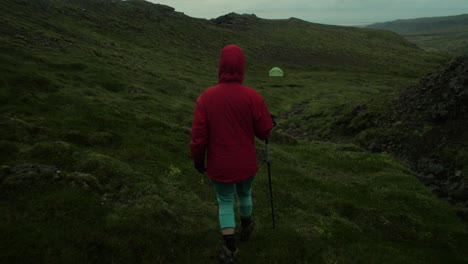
<point x="199" y="133"/>
<point x="262" y="120"/>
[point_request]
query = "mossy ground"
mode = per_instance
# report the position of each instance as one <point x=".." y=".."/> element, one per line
<point x="108" y="100"/>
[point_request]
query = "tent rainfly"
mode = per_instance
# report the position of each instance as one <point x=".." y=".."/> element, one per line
<point x="276" y="72"/>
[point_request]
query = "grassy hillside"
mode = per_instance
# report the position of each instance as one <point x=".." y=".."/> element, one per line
<point x="448" y="34"/>
<point x="103" y="92"/>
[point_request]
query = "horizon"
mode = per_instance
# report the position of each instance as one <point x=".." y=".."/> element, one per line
<point x="335" y="12"/>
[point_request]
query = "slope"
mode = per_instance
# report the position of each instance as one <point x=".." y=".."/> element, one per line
<point x="96" y="107"/>
<point x="448" y="34"/>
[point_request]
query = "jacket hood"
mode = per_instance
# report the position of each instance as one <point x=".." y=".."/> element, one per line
<point x="231" y="65"/>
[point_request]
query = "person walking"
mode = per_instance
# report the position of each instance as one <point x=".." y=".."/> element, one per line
<point x="226" y="120"/>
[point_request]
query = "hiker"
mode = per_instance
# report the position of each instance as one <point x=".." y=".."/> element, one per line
<point x="226" y="119"/>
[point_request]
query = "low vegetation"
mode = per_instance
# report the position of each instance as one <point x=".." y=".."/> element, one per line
<point x="96" y="107"/>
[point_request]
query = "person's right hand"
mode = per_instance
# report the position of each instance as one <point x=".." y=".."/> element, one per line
<point x="200" y="167"/>
<point x="273" y="118"/>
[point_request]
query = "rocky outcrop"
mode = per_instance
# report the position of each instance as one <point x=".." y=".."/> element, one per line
<point x="438" y="108"/>
<point x="235" y="20"/>
<point x="440" y="96"/>
<point x="31" y="175"/>
<point x="427" y="127"/>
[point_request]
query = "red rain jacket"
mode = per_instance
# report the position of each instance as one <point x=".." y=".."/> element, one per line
<point x="226" y="119"/>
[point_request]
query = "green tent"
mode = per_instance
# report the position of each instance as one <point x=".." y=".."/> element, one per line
<point x="276" y="72"/>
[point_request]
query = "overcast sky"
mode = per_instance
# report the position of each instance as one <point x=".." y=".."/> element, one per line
<point x="339" y="12"/>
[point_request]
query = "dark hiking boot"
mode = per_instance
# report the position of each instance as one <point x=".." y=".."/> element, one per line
<point x="227" y="256"/>
<point x="247" y="231"/>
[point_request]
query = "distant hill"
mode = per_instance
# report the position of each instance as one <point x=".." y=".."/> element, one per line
<point x="448" y="33"/>
<point x="156" y="28"/>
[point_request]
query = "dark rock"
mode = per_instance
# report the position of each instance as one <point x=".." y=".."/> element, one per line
<point x="462" y="213"/>
<point x="373" y="147"/>
<point x="31" y="167"/>
<point x="233" y="19"/>
<point x="436" y="169"/>
<point x="452" y="187"/>
<point x="428" y="166"/>
<point x="435" y="188"/>
<point x="461" y="194"/>
<point x="4" y="171"/>
<point x="137" y="90"/>
<point x="447" y="199"/>
<point x="84" y="180"/>
<point x="457" y="176"/>
<point x="397" y="123"/>
<point x="428" y="179"/>
<point x="28" y="175"/>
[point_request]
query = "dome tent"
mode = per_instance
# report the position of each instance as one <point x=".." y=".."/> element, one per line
<point x="276" y="72"/>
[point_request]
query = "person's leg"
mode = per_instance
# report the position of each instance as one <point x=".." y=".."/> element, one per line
<point x="225" y="195"/>
<point x="244" y="195"/>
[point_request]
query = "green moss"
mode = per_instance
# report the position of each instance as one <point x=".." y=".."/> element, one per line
<point x="60" y="154"/>
<point x="106" y="169"/>
<point x="119" y="83"/>
<point x="10" y="151"/>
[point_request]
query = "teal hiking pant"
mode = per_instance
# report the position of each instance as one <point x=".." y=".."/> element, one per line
<point x="225" y="194"/>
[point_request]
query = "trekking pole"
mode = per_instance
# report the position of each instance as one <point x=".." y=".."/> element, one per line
<point x="269" y="183"/>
